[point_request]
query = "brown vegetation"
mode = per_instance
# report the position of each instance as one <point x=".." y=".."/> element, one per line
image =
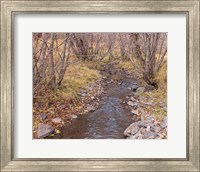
<point x="65" y="63"/>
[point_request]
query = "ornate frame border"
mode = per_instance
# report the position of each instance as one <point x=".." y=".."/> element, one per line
<point x="10" y="8"/>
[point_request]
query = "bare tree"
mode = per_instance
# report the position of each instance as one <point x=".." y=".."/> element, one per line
<point x="150" y="49"/>
<point x="49" y="65"/>
<point x="64" y="61"/>
<point x="53" y="72"/>
<point x="52" y="52"/>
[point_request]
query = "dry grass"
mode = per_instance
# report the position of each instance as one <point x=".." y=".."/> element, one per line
<point x="161" y="77"/>
<point x="78" y="76"/>
<point x="159" y="95"/>
<point x="127" y="65"/>
<point x="106" y="59"/>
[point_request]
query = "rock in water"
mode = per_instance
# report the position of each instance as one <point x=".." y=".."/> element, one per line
<point x="44" y="130"/>
<point x="133" y="99"/>
<point x="134" y="87"/>
<point x="140" y="89"/>
<point x="130" y="103"/>
<point x="131" y="130"/>
<point x="129" y="88"/>
<point x="135" y="112"/>
<point x="90" y="108"/>
<point x="56" y="120"/>
<point x="74" y="116"/>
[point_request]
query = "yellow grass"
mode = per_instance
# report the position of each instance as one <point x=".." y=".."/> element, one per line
<point x="127" y="65"/>
<point x="77" y="76"/>
<point x="160" y="94"/>
<point x="161" y="77"/>
<point x="106" y="59"/>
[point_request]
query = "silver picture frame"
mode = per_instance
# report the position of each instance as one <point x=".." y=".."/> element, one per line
<point x="10" y="8"/>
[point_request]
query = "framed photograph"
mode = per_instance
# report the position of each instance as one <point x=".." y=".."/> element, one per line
<point x="100" y="85"/>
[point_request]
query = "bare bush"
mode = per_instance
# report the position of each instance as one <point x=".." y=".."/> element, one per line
<point x="150" y="50"/>
<point x="52" y="53"/>
<point x="49" y="65"/>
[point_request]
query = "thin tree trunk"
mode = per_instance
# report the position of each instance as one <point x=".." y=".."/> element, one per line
<point x="43" y="54"/>
<point x="53" y="73"/>
<point x="62" y="65"/>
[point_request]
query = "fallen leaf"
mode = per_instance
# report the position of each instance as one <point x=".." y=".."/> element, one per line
<point x="57" y="131"/>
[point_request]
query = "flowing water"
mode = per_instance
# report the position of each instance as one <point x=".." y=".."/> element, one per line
<point x="108" y="121"/>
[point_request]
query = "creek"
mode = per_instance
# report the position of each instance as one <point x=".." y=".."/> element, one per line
<point x="109" y="120"/>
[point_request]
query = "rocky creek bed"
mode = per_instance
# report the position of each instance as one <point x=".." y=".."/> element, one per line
<point x="115" y="109"/>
